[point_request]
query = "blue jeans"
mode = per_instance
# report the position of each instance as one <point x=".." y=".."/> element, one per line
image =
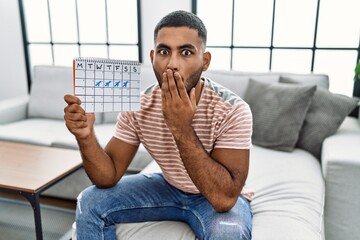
<point x="141" y="198"/>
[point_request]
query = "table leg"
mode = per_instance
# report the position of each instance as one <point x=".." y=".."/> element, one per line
<point x="34" y="200"/>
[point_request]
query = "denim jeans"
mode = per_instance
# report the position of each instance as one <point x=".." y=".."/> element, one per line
<point x="141" y="198"/>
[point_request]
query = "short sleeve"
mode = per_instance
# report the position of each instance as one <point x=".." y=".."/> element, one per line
<point x="125" y="129"/>
<point x="235" y="130"/>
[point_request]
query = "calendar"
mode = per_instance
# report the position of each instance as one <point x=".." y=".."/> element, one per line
<point x="107" y="85"/>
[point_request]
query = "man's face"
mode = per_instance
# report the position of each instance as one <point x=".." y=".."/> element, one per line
<point x="181" y="50"/>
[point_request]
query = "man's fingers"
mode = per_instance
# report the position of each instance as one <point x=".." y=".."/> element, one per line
<point x="75" y="116"/>
<point x="90" y="117"/>
<point x="73" y="105"/>
<point x="165" y="87"/>
<point x="74" y="108"/>
<point x="173" y="86"/>
<point x="171" y="82"/>
<point x="180" y="85"/>
<point x="70" y="99"/>
<point x="77" y="120"/>
<point x="193" y="98"/>
<point x="73" y="125"/>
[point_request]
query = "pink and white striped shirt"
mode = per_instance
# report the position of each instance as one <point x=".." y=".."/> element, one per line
<point x="221" y="120"/>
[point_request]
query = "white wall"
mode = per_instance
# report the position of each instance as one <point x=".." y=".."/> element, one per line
<point x="152" y="11"/>
<point x="12" y="63"/>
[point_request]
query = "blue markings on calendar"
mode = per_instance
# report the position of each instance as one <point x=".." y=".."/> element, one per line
<point x="108" y="84"/>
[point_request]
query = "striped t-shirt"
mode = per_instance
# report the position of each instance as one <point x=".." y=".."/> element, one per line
<point x="221" y="120"/>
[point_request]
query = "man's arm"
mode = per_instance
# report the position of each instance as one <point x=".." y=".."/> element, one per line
<point x="219" y="176"/>
<point x="104" y="167"/>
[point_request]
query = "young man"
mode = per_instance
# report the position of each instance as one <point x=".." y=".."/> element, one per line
<point x="197" y="131"/>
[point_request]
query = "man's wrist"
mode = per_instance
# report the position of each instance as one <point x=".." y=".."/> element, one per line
<point x="183" y="133"/>
<point x="86" y="140"/>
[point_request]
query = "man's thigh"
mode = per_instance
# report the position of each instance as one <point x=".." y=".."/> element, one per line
<point x="136" y="198"/>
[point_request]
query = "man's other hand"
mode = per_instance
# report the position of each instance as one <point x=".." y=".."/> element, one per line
<point x="177" y="106"/>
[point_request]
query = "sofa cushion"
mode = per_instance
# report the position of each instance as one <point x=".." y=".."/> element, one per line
<point x="104" y="133"/>
<point x="48" y="87"/>
<point x="155" y="230"/>
<point x="326" y="113"/>
<point x="278" y="112"/>
<point x="289" y="194"/>
<point x="161" y="230"/>
<point x="36" y="131"/>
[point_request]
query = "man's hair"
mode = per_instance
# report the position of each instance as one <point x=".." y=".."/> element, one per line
<point x="182" y="19"/>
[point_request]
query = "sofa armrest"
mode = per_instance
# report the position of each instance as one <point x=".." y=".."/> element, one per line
<point x="341" y="169"/>
<point x="13" y="109"/>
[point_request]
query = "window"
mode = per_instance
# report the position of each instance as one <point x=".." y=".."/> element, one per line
<point x="56" y="31"/>
<point x="279" y="35"/>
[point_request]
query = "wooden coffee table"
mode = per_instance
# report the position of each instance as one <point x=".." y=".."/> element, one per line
<point x="28" y="170"/>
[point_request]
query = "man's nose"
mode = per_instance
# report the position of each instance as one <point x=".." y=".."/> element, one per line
<point x="173" y="63"/>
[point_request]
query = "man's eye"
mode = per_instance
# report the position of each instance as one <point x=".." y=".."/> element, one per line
<point x="164" y="52"/>
<point x="186" y="52"/>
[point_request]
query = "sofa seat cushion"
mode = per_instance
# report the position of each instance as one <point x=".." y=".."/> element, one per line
<point x="37" y="131"/>
<point x="288" y="202"/>
<point x="289" y="194"/>
<point x="155" y="230"/>
<point x="104" y="133"/>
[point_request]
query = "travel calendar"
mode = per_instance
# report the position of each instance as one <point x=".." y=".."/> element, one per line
<point x="107" y="85"/>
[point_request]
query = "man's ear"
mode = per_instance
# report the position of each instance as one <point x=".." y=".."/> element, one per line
<point x="152" y="56"/>
<point x="207" y="60"/>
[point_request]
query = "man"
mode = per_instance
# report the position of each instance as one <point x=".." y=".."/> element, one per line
<point x="197" y="131"/>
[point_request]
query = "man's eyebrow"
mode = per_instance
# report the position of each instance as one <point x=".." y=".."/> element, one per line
<point x="188" y="45"/>
<point x="161" y="45"/>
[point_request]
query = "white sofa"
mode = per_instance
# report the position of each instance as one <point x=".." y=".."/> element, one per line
<point x="297" y="195"/>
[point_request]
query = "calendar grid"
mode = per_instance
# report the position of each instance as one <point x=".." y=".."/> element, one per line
<point x="107" y="85"/>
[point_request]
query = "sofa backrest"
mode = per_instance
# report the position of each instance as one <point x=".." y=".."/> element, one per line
<point x="51" y="83"/>
<point x="238" y="81"/>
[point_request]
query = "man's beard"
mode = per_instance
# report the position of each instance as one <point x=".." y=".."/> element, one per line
<point x="190" y="83"/>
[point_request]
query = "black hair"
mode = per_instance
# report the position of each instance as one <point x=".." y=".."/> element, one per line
<point x="182" y="18"/>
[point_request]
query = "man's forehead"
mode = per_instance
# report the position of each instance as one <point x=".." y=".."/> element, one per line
<point x="178" y="36"/>
<point x="178" y="30"/>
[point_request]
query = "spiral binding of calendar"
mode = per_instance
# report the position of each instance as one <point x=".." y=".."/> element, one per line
<point x="106" y="60"/>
